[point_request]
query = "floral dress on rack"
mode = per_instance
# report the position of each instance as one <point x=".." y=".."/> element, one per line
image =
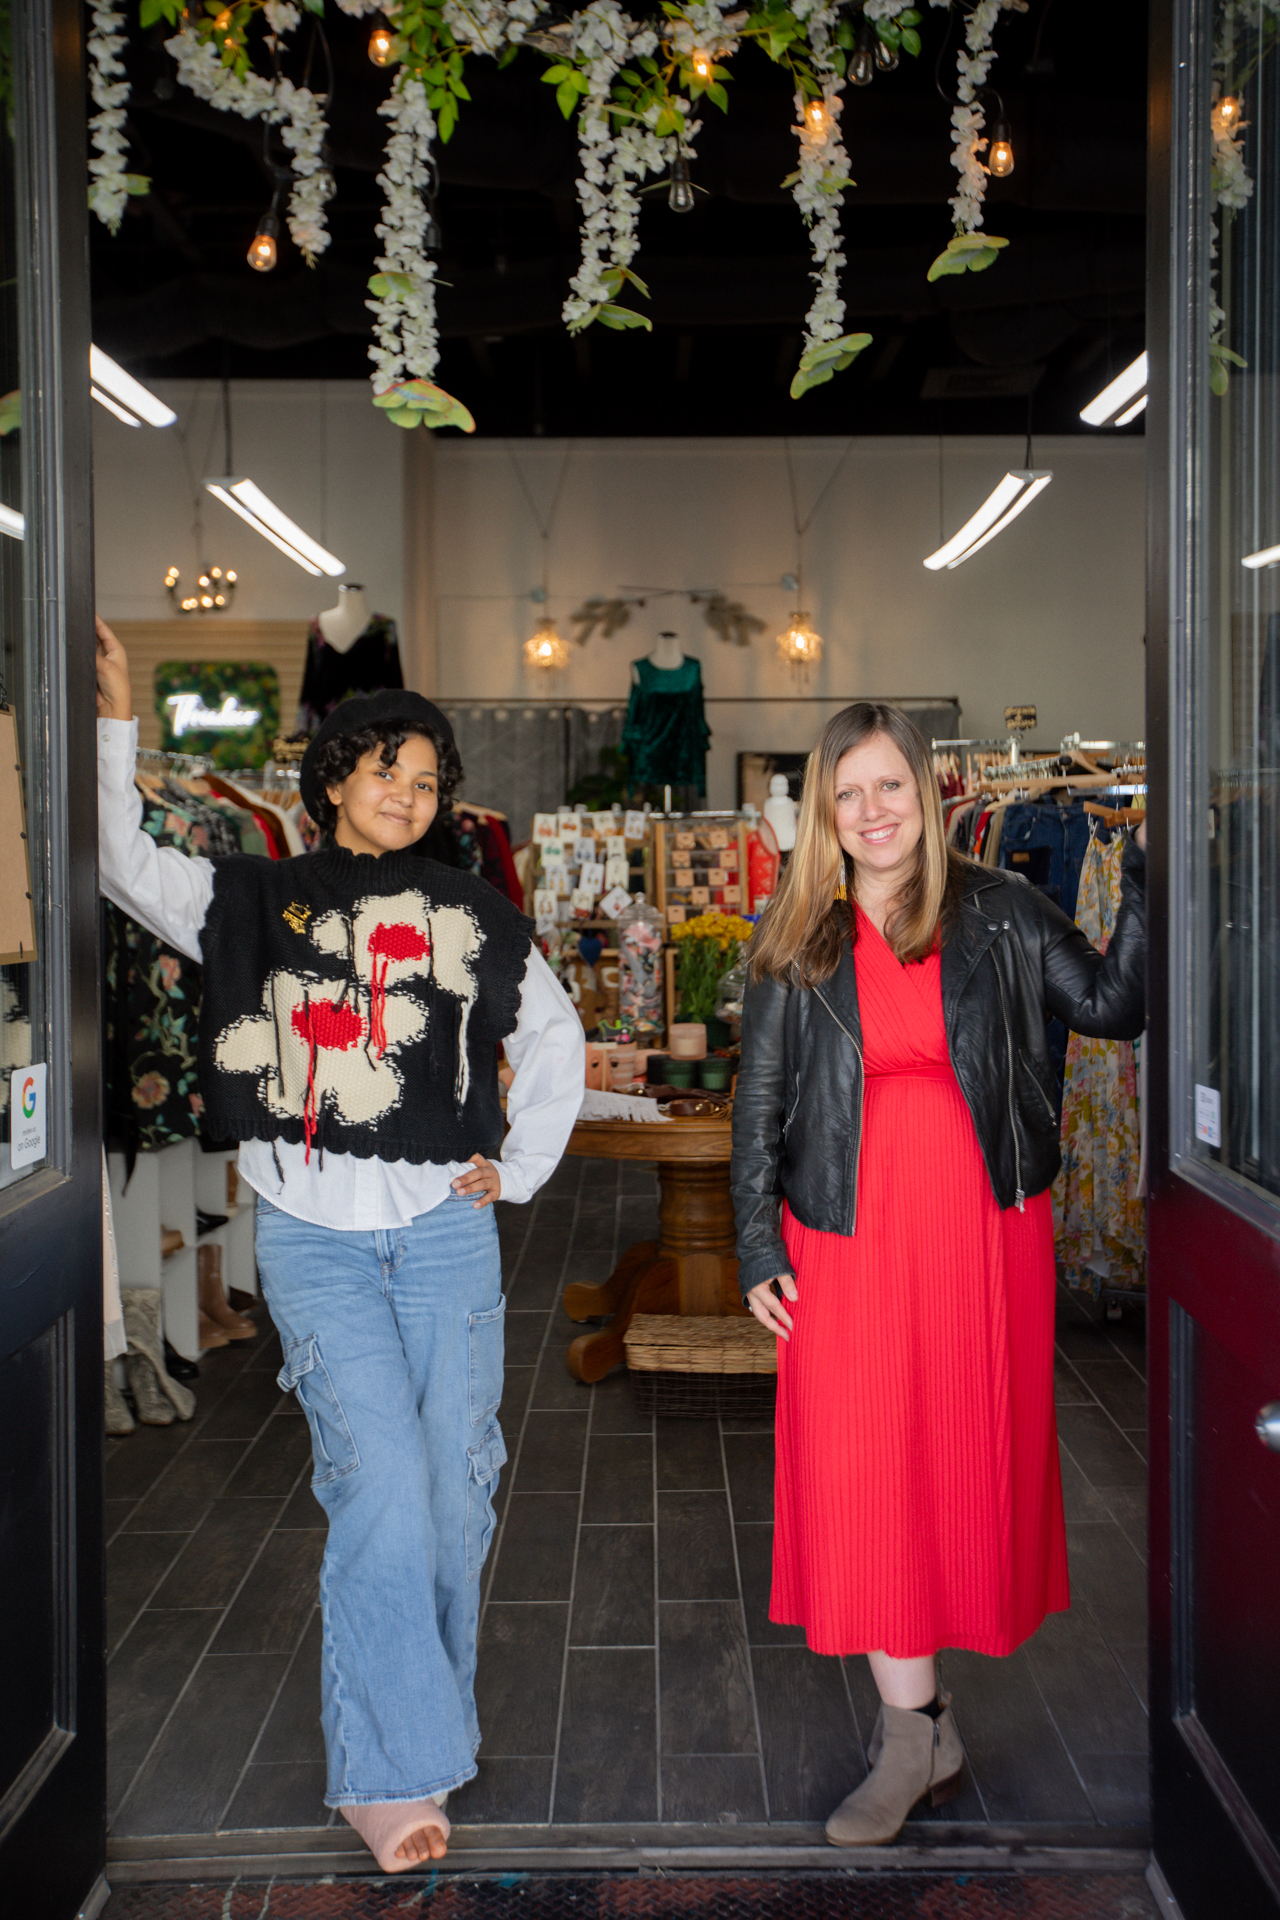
<point x="1098" y="1209"/>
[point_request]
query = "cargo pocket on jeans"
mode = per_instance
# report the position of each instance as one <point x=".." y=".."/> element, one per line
<point x="484" y="1343"/>
<point x="484" y="1463"/>
<point x="304" y="1373"/>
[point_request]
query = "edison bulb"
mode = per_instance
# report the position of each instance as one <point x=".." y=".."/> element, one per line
<point x="680" y="198"/>
<point x="1226" y="112"/>
<point x="262" y="251"/>
<point x="230" y="578"/>
<point x="1000" y="152"/>
<point x="817" y="120"/>
<point x="702" y="63"/>
<point x="862" y="61"/>
<point x="380" y="44"/>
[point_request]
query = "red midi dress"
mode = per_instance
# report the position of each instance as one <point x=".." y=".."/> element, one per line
<point x="918" y="1495"/>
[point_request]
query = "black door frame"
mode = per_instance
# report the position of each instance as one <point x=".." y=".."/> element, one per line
<point x="1210" y="1849"/>
<point x="52" y="1816"/>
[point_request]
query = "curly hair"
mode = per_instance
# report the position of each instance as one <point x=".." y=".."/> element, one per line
<point x="338" y="758"/>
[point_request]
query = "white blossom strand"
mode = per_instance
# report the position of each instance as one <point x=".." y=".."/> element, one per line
<point x="109" y="88"/>
<point x="406" y="341"/>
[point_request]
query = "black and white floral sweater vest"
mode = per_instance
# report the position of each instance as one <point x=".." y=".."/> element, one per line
<point x="356" y="1004"/>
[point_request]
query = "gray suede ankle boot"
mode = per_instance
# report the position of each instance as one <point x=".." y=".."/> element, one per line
<point x="917" y="1755"/>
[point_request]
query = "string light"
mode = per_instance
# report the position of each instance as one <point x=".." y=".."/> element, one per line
<point x="262" y="250"/>
<point x="886" y="56"/>
<point x="380" y="41"/>
<point x="817" y="121"/>
<point x="680" y="198"/>
<point x="1000" y="152"/>
<point x="702" y="63"/>
<point x="1226" y="113"/>
<point x="546" y="649"/>
<point x="862" y="65"/>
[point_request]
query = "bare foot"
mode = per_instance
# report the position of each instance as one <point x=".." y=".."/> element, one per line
<point x="401" y="1833"/>
<point x="427" y="1842"/>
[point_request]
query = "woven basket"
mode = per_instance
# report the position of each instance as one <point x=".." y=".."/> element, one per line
<point x="700" y="1367"/>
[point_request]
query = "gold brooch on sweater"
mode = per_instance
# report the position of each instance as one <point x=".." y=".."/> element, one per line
<point x="296" y="916"/>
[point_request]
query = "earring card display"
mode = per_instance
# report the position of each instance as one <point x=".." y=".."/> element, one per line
<point x="17" y="912"/>
<point x="700" y="865"/>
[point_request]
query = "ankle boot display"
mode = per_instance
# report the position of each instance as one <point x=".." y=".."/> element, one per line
<point x="154" y="1410"/>
<point x="918" y="1756"/>
<point x="119" y="1418"/>
<point x="214" y="1304"/>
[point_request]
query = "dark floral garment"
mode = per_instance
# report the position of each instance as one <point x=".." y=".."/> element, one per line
<point x="151" y="1006"/>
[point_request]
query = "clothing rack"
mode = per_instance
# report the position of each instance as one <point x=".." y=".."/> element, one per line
<point x="159" y="760"/>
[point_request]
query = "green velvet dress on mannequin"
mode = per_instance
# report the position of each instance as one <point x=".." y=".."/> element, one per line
<point x="665" y="735"/>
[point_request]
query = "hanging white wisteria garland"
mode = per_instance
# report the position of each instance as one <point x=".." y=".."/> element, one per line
<point x="110" y="182"/>
<point x="407" y="345"/>
<point x="635" y="85"/>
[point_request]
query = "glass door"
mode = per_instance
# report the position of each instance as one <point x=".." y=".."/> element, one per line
<point x="1215" y="1014"/>
<point x="52" y="1741"/>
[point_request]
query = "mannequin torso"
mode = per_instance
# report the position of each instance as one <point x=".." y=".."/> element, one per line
<point x="666" y="655"/>
<point x="342" y="625"/>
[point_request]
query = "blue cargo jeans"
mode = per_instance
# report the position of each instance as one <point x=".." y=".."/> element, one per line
<point x="393" y="1344"/>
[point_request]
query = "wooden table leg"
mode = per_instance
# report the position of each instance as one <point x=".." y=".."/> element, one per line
<point x="696" y="1211"/>
<point x="650" y="1287"/>
<point x="585" y="1302"/>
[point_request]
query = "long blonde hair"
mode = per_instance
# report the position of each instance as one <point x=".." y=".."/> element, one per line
<point x="800" y="936"/>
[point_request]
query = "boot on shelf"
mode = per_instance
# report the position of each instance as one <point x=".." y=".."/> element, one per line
<point x="214" y="1304"/>
<point x="918" y="1755"/>
<point x="119" y="1418"/>
<point x="153" y="1383"/>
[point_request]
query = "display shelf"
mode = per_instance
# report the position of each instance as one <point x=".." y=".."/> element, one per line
<point x="164" y="1190"/>
<point x="699" y="865"/>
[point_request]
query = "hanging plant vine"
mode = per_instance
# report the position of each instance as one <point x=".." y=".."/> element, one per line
<point x="634" y="84"/>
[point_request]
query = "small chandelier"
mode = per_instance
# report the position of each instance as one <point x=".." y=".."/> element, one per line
<point x="546" y="648"/>
<point x="798" y="644"/>
<point x="214" y="591"/>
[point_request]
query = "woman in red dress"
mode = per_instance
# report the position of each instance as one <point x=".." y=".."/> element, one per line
<point x="894" y="1141"/>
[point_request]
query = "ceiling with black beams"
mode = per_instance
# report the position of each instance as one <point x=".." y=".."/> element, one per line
<point x="1039" y="332"/>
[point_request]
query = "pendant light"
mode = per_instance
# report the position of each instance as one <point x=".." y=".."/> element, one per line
<point x="798" y="644"/>
<point x="1122" y="399"/>
<point x="546" y="650"/>
<point x="247" y="500"/>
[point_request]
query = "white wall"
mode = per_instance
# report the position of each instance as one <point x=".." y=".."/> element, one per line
<point x="318" y="448"/>
<point x="1049" y="613"/>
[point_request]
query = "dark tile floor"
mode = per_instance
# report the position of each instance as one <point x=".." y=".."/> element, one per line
<point x="628" y="1668"/>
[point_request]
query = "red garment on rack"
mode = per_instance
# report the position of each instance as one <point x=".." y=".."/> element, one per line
<point x="919" y="1500"/>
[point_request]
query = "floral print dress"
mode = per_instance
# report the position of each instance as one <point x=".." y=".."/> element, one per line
<point x="1098" y="1209"/>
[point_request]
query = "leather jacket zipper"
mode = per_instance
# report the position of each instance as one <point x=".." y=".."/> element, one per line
<point x="862" y="1089"/>
<point x="1019" y="1195"/>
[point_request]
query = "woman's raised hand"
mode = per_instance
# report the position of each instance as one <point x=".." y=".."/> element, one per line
<point x="115" y="695"/>
<point x="767" y="1307"/>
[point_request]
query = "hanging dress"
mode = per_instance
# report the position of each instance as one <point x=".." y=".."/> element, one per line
<point x="918" y="1494"/>
<point x="371" y="664"/>
<point x="1097" y="1196"/>
<point x="665" y="734"/>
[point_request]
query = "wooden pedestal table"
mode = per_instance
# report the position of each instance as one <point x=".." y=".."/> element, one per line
<point x="692" y="1267"/>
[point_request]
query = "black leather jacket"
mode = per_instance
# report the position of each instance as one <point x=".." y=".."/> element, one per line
<point x="797" y="1111"/>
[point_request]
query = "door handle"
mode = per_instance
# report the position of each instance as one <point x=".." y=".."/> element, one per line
<point x="1267" y="1425"/>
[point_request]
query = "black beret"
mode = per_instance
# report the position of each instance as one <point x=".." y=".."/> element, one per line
<point x="353" y="716"/>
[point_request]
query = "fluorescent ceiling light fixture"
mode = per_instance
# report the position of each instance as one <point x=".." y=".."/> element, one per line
<point x="1131" y="413"/>
<point x="1116" y="397"/>
<point x="1003" y="504"/>
<point x="13" y="524"/>
<point x="265" y="517"/>
<point x="1039" y="481"/>
<point x="129" y="392"/>
<point x="1266" y="558"/>
<point x="121" y="413"/>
